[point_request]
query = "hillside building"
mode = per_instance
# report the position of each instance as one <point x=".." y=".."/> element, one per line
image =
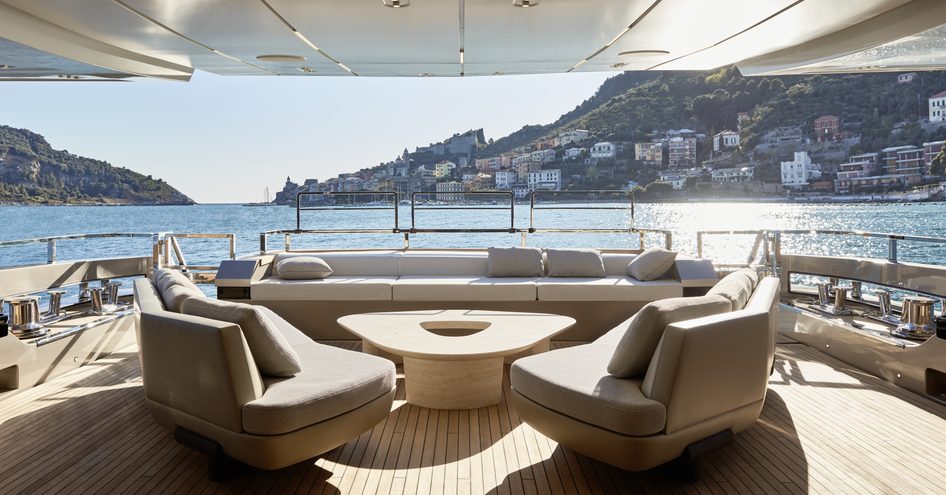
<point x="733" y="174"/>
<point x="605" y="149"/>
<point x="938" y="107"/>
<point x="651" y="153"/>
<point x="799" y="172"/>
<point x="904" y="160"/>
<point x="827" y="128"/>
<point x="542" y="156"/>
<point x="725" y="140"/>
<point x="681" y="152"/>
<point x="574" y="136"/>
<point x="574" y="153"/>
<point x="930" y="151"/>
<point x="449" y="191"/>
<point x="505" y="179"/>
<point x="856" y="167"/>
<point x="444" y="169"/>
<point x="545" y="179"/>
<point x="906" y="78"/>
<point x="677" y="181"/>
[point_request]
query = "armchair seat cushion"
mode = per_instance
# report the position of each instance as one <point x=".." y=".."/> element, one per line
<point x="332" y="382"/>
<point x="610" y="288"/>
<point x="463" y="288"/>
<point x="334" y="288"/>
<point x="575" y="382"/>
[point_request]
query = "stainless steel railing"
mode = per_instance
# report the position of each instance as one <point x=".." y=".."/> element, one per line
<point x="416" y="205"/>
<point x="52" y="241"/>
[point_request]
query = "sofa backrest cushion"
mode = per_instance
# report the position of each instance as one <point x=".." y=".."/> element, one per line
<point x="383" y="263"/>
<point x="574" y="263"/>
<point x="462" y="263"/>
<point x="616" y="263"/>
<point x="302" y="268"/>
<point x="736" y="287"/>
<point x="270" y="349"/>
<point x="652" y="264"/>
<point x="515" y="262"/>
<point x="175" y="295"/>
<point x="634" y="351"/>
<point x="165" y="277"/>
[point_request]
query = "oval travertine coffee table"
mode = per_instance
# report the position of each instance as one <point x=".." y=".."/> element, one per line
<point x="453" y="359"/>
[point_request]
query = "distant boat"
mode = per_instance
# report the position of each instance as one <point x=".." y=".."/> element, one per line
<point x="267" y="200"/>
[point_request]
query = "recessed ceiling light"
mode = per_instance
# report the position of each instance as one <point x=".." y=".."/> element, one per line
<point x="525" y="3"/>
<point x="307" y="70"/>
<point x="425" y="74"/>
<point x="618" y="65"/>
<point x="4" y="67"/>
<point x="281" y="58"/>
<point x="498" y="73"/>
<point x="644" y="53"/>
<point x="396" y="4"/>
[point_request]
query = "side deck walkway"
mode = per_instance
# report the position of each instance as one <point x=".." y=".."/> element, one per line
<point x="826" y="428"/>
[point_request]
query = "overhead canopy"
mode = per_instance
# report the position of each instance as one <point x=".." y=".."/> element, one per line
<point x="109" y="39"/>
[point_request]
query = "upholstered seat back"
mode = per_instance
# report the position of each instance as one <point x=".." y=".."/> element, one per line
<point x="197" y="366"/>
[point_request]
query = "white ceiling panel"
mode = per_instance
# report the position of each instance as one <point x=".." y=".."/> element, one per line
<point x="110" y="23"/>
<point x="681" y="27"/>
<point x="408" y="70"/>
<point x="240" y="28"/>
<point x="803" y="22"/>
<point x="360" y="33"/>
<point x="554" y="31"/>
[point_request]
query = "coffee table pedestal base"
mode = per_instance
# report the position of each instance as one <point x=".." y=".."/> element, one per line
<point x="453" y="384"/>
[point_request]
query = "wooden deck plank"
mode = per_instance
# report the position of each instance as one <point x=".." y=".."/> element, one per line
<point x="825" y="428"/>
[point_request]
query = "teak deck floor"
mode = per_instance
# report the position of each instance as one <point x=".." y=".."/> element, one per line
<point x="826" y="428"/>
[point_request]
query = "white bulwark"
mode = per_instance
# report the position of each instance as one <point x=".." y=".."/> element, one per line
<point x="799" y="171"/>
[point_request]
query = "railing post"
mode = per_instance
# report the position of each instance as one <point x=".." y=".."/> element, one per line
<point x="287" y="243"/>
<point x="262" y="243"/>
<point x="699" y="244"/>
<point x="51" y="251"/>
<point x="777" y="250"/>
<point x="668" y="241"/>
<point x="522" y="238"/>
<point x="156" y="240"/>
<point x="641" y="238"/>
<point x="407" y="240"/>
<point x="232" y="239"/>
<point x="891" y="250"/>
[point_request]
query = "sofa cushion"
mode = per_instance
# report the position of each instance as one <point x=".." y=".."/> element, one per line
<point x="175" y="295"/>
<point x="469" y="263"/>
<point x="574" y="263"/>
<point x="736" y="287"/>
<point x="643" y="330"/>
<point x="574" y="382"/>
<point x="652" y="264"/>
<point x="616" y="263"/>
<point x="610" y="288"/>
<point x="271" y="351"/>
<point x="334" y="288"/>
<point x="515" y="262"/>
<point x="365" y="264"/>
<point x="332" y="382"/>
<point x="463" y="288"/>
<point x="302" y="268"/>
<point x="165" y="277"/>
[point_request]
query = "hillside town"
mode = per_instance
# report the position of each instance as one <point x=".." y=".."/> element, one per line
<point x="822" y="158"/>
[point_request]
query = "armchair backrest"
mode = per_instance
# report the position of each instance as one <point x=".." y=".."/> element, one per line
<point x="709" y="366"/>
<point x="197" y="366"/>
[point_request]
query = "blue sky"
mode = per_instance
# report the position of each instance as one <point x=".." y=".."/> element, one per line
<point x="223" y="139"/>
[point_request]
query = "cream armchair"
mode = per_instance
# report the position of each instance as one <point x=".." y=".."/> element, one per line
<point x="706" y="381"/>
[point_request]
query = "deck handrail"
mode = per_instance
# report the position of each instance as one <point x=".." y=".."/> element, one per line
<point x="52" y="241"/>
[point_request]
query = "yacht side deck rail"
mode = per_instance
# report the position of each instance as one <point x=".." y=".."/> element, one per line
<point x="52" y="241"/>
<point x="418" y="205"/>
<point x="770" y="242"/>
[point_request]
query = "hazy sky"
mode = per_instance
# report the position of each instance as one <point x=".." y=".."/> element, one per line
<point x="223" y="139"/>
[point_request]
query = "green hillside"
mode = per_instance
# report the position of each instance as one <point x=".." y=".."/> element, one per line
<point x="629" y="106"/>
<point x="31" y="171"/>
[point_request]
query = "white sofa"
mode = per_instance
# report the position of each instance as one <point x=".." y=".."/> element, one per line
<point x="365" y="281"/>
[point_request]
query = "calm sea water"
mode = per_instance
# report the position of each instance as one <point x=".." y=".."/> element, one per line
<point x="682" y="219"/>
